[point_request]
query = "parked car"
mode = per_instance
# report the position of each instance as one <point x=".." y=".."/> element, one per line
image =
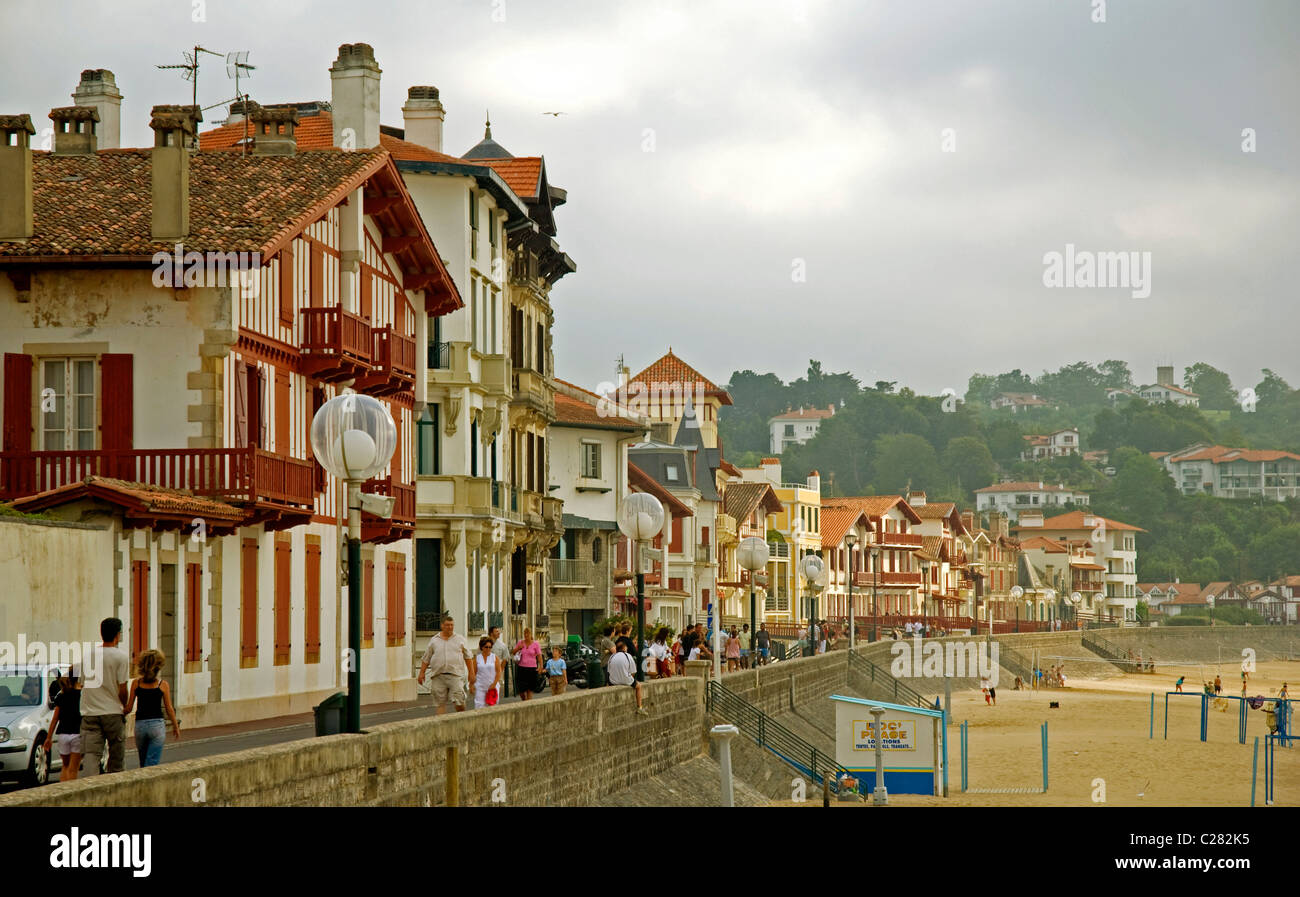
<point x="25" y="712"/>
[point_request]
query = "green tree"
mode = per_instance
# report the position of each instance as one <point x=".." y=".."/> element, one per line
<point x="905" y="461"/>
<point x="1115" y="375"/>
<point x="969" y="464"/>
<point x="1212" y="385"/>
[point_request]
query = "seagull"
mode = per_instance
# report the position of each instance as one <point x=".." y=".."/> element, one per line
<point x="555" y="113"/>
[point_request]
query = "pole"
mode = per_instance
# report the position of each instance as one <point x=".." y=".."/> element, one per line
<point x="1254" y="769"/>
<point x="723" y="734"/>
<point x="753" y="605"/>
<point x="879" y="796"/>
<point x="451" y="778"/>
<point x="1166" y="716"/>
<point x="1151" y="729"/>
<point x="640" y="613"/>
<point x="1205" y="709"/>
<point x="1044" y="757"/>
<point x="875" y="610"/>
<point x="964" y="743"/>
<point x="853" y="571"/>
<point x="717" y="655"/>
<point x="354" y="606"/>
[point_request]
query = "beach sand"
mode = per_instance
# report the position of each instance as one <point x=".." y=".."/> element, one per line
<point x="1100" y="732"/>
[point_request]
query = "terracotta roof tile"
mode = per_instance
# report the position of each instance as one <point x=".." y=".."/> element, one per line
<point x="806" y="414"/>
<point x="672" y="370"/>
<point x="873" y="505"/>
<point x="1021" y="486"/>
<point x="835" y="523"/>
<point x="522" y="174"/>
<point x="1075" y="520"/>
<point x="742" y="499"/>
<point x="569" y="410"/>
<point x="141" y="497"/>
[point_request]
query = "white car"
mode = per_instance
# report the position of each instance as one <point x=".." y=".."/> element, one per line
<point x="25" y="711"/>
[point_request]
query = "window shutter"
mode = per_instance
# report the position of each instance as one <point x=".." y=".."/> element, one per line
<point x="117" y="421"/>
<point x="256" y="408"/>
<point x="312" y="640"/>
<point x="368" y="601"/>
<point x="317" y="275"/>
<point x="675" y="544"/>
<point x="193" y="613"/>
<point x="367" y="295"/>
<point x="704" y="599"/>
<point x="248" y="603"/>
<point x="541" y="464"/>
<point x="139" y="607"/>
<point x="286" y="285"/>
<point x="396" y="601"/>
<point x="241" y="404"/>
<point x="283" y="591"/>
<point x="704" y="536"/>
<point x="18" y="402"/>
<point x="283" y="402"/>
<point x="317" y="400"/>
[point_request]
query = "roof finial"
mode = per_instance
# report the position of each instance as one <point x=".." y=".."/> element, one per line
<point x="487" y="125"/>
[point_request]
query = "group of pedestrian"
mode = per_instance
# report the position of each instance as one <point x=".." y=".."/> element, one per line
<point x="90" y="716"/>
<point x="450" y="667"/>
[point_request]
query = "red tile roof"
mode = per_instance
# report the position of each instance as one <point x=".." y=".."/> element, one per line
<point x="1075" y="520"/>
<point x="742" y="499"/>
<point x="569" y="410"/>
<point x="672" y="371"/>
<point x="873" y="505"/>
<point x="522" y="174"/>
<point x="836" y="522"/>
<point x="1025" y="487"/>
<point x="316" y="132"/>
<point x="142" y="502"/>
<point x="807" y="414"/>
<point x="1042" y="543"/>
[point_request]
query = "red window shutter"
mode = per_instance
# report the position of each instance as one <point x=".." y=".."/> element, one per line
<point x="704" y="599"/>
<point x="312" y="639"/>
<point x="676" y="543"/>
<point x="317" y="400"/>
<point x="117" y="421"/>
<point x="368" y="601"/>
<point x="659" y="540"/>
<point x="139" y="607"/>
<point x="241" y="404"/>
<point x="396" y="602"/>
<point x="367" y="291"/>
<point x="286" y="285"/>
<point x="317" y="275"/>
<point x="704" y="535"/>
<point x="401" y="598"/>
<point x="256" y="408"/>
<point x="248" y="601"/>
<point x="283" y="591"/>
<point x="675" y="582"/>
<point x="193" y="612"/>
<point x="283" y="403"/>
<point x="18" y="402"/>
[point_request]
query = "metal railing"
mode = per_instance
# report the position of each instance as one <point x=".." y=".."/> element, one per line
<point x="571" y="570"/>
<point x="903" y="693"/>
<point x="439" y="358"/>
<point x="767" y="733"/>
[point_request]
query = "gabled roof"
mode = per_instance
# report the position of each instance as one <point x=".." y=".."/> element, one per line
<point x="1042" y="543"/>
<point x="836" y="522"/>
<point x="873" y="505"/>
<point x="742" y="499"/>
<point x="522" y="175"/>
<point x="1075" y="520"/>
<point x="806" y="414"/>
<point x="669" y="369"/>
<point x="96" y="208"/>
<point x="574" y="412"/>
<point x="1021" y="486"/>
<point x="1177" y="389"/>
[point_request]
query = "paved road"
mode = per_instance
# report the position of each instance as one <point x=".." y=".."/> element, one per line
<point x="220" y="740"/>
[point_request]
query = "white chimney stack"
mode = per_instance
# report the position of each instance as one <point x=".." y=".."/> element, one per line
<point x="98" y="90"/>
<point x="423" y="116"/>
<point x="354" y="97"/>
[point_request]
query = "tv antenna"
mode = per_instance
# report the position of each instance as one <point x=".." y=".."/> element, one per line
<point x="190" y="70"/>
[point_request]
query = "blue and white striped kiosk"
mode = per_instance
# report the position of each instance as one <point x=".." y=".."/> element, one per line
<point x="915" y="746"/>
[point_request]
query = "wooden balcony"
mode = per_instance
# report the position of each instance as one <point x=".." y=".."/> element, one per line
<point x="402" y="524"/>
<point x="886" y="579"/>
<point x="898" y="540"/>
<point x="392" y="364"/>
<point x="336" y="345"/>
<point x="248" y="475"/>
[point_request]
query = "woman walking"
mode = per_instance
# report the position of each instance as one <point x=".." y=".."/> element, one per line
<point x="487" y="673"/>
<point x="733" y="651"/>
<point x="66" y="725"/>
<point x="528" y="653"/>
<point x="154" y="696"/>
<point x="660" y="654"/>
<point x="678" y="656"/>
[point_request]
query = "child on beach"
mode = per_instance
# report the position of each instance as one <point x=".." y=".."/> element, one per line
<point x="1178" y="686"/>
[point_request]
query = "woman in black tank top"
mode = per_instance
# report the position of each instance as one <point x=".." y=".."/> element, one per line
<point x="154" y="696"/>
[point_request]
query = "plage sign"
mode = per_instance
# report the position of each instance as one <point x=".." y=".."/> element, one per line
<point x="900" y="735"/>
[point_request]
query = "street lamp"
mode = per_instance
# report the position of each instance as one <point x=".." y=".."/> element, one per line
<point x="752" y="553"/>
<point x="1076" y="599"/>
<point x="641" y="518"/>
<point x="875" y="578"/>
<point x="1016" y="594"/>
<point x="851" y="540"/>
<point x="813" y="570"/>
<point x="353" y="438"/>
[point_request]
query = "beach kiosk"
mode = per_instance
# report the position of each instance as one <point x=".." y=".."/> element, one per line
<point x="914" y="746"/>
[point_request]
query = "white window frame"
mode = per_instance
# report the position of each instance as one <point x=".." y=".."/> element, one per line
<point x="590" y="452"/>
<point x="66" y="409"/>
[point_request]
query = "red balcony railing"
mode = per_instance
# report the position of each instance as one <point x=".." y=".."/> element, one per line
<point x="883" y="578"/>
<point x="243" y="474"/>
<point x="336" y="344"/>
<point x="898" y="540"/>
<point x="400" y="525"/>
<point x="392" y="364"/>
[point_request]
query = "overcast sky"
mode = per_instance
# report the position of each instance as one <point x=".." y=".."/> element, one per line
<point x="713" y="149"/>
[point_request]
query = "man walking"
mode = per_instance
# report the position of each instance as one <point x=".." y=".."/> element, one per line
<point x="102" y="701"/>
<point x="448" y="658"/>
<point x="764" y="642"/>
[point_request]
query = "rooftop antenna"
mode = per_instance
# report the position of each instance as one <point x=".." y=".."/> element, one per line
<point x="237" y="65"/>
<point x="191" y="70"/>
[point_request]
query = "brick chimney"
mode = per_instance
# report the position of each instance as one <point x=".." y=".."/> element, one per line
<point x="354" y="97"/>
<point x="423" y="116"/>
<point x="815" y="482"/>
<point x="74" y="130"/>
<point x="16" y="177"/>
<point x="968" y="521"/>
<point x="1165" y="375"/>
<point x="273" y="130"/>
<point x="98" y="90"/>
<point x="174" y="130"/>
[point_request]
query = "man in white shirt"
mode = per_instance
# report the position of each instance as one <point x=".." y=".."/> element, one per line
<point x="622" y="671"/>
<point x="102" y="701"/>
<point x="451" y="664"/>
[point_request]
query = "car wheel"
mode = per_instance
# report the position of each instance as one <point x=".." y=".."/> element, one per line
<point x="38" y="769"/>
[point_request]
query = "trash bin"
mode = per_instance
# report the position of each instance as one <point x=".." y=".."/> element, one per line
<point x="330" y="714"/>
<point x="595" y="673"/>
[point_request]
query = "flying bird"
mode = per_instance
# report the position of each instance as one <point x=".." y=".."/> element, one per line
<point x="555" y="113"/>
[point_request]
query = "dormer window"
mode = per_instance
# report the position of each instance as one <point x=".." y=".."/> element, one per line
<point x="671" y="472"/>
